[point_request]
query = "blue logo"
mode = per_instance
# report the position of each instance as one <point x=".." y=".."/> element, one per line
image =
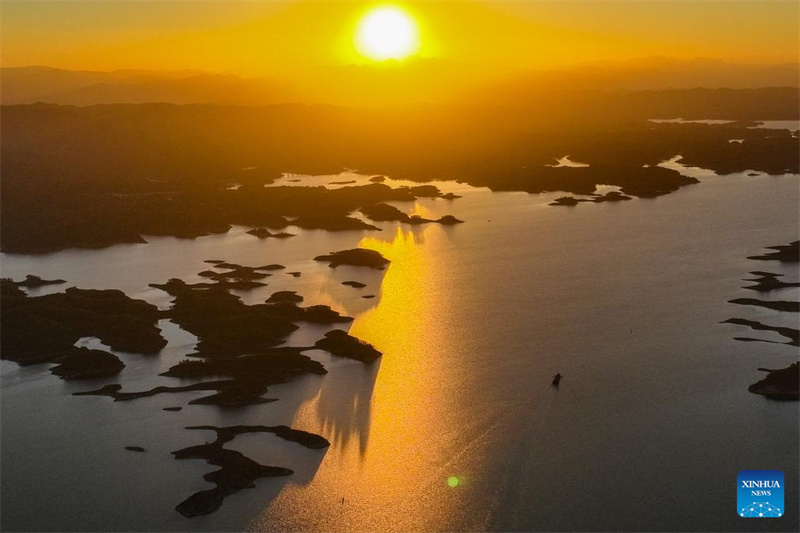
<point x="759" y="494"/>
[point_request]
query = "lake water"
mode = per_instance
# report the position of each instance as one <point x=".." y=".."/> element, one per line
<point x="791" y="125"/>
<point x="648" y="430"/>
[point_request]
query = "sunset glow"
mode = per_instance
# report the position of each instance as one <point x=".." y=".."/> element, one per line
<point x="387" y="33"/>
<point x="328" y="266"/>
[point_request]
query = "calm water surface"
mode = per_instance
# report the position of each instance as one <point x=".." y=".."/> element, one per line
<point x="648" y="430"/>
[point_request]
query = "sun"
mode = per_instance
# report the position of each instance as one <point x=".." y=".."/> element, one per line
<point x="387" y="32"/>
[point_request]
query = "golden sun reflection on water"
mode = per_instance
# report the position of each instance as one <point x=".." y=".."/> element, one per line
<point x="422" y="210"/>
<point x="394" y="327"/>
<point x="382" y="418"/>
<point x="391" y="326"/>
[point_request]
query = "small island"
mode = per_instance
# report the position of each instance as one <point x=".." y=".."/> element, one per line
<point x="341" y="344"/>
<point x="32" y="282"/>
<point x="83" y="363"/>
<point x="236" y="471"/>
<point x="355" y="257"/>
<point x="284" y="297"/>
<point x="613" y="196"/>
<point x="779" y="384"/>
<point x="264" y="233"/>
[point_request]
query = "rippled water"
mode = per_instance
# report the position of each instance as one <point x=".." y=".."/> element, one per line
<point x="648" y="430"/>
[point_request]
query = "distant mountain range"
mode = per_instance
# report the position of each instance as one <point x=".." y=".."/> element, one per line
<point x="78" y="87"/>
<point x="414" y="81"/>
<point x="649" y="74"/>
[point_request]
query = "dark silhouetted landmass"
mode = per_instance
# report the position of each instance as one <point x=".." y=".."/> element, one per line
<point x="236" y="471"/>
<point x="768" y="281"/>
<point x="120" y="173"/>
<point x="234" y="272"/>
<point x="304" y="438"/>
<point x="32" y="282"/>
<point x="386" y="212"/>
<point x="264" y="233"/>
<point x="341" y="344"/>
<point x="779" y="384"/>
<point x="777" y="305"/>
<point x="250" y="374"/>
<point x="237" y="342"/>
<point x="355" y="257"/>
<point x="277" y="365"/>
<point x="790" y="333"/>
<point x="331" y="223"/>
<point x="247" y="378"/>
<point x="226" y="327"/>
<point x="232" y="276"/>
<point x="45" y="328"/>
<point x="613" y="196"/>
<point x="284" y="297"/>
<point x="227" y="393"/>
<point x="449" y="220"/>
<point x="787" y="253"/>
<point x="105" y="210"/>
<point x="568" y="201"/>
<point x="83" y="363"/>
<point x="135" y="449"/>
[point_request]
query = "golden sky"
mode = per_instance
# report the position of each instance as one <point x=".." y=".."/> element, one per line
<point x="262" y="37"/>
